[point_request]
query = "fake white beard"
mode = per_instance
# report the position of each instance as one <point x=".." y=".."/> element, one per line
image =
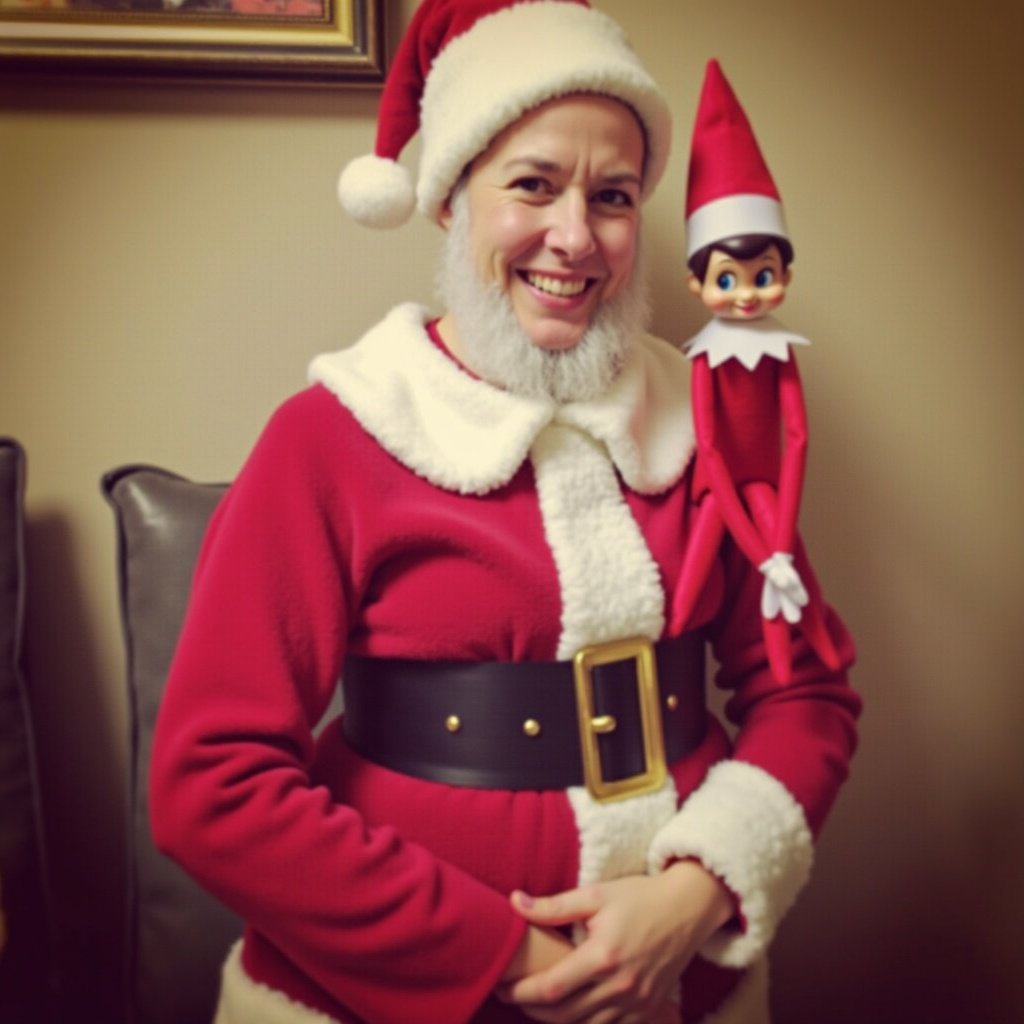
<point x="496" y="347"/>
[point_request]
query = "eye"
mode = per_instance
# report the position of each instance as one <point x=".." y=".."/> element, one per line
<point x="531" y="185"/>
<point x="726" y="281"/>
<point x="764" y="278"/>
<point x="614" y="197"/>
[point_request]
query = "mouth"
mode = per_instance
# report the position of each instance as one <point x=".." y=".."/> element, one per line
<point x="558" y="287"/>
<point x="746" y="308"/>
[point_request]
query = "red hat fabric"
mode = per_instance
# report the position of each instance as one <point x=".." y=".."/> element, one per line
<point x="466" y="69"/>
<point x="730" y="190"/>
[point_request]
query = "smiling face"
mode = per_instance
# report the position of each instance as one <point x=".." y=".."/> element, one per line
<point x="739" y="289"/>
<point x="554" y="212"/>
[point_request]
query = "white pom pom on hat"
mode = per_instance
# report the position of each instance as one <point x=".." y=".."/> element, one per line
<point x="466" y="69"/>
<point x="377" y="192"/>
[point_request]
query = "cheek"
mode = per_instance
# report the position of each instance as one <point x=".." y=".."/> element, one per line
<point x="618" y="243"/>
<point x="511" y="233"/>
<point x="716" y="300"/>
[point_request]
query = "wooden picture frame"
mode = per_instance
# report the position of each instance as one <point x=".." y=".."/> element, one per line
<point x="312" y="42"/>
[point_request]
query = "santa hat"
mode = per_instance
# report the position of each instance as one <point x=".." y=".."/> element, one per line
<point x="730" y="190"/>
<point x="465" y="70"/>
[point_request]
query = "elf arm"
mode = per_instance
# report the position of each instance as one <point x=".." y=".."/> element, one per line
<point x="794" y="460"/>
<point x="714" y="465"/>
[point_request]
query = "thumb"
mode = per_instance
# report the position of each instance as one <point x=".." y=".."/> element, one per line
<point x="553" y="911"/>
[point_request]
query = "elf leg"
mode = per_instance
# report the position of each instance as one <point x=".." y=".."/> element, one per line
<point x="812" y="621"/>
<point x="779" y="648"/>
<point x="761" y="500"/>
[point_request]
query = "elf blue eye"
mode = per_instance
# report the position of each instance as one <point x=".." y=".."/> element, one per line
<point x="726" y="281"/>
<point x="764" y="278"/>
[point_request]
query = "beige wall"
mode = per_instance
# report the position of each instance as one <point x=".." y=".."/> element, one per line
<point x="170" y="258"/>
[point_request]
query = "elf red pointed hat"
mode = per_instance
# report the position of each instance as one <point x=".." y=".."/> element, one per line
<point x="465" y="70"/>
<point x="730" y="190"/>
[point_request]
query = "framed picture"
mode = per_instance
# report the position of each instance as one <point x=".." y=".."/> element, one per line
<point x="298" y="41"/>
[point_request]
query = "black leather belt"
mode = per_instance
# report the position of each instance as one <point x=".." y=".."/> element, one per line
<point x="610" y="719"/>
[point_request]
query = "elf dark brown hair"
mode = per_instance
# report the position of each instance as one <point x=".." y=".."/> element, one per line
<point x="741" y="247"/>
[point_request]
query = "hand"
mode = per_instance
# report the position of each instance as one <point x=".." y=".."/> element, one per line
<point x="539" y="949"/>
<point x="783" y="589"/>
<point x="639" y="935"/>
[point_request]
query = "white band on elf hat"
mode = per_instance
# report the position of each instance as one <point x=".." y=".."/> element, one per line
<point x="512" y="58"/>
<point x="731" y="217"/>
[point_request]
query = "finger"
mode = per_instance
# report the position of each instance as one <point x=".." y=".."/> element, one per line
<point x="570" y="1015"/>
<point x="796" y="591"/>
<point x="580" y="1007"/>
<point x="568" y="985"/>
<point x="561" y="909"/>
<point x="603" y="1003"/>
<point x="546" y="1014"/>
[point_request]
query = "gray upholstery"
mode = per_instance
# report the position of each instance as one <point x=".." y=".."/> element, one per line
<point x="178" y="935"/>
<point x="25" y="979"/>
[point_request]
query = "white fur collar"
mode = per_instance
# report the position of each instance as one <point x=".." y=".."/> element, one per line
<point x="745" y="340"/>
<point x="465" y="435"/>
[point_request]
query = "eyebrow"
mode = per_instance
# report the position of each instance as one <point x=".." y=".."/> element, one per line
<point x="623" y="178"/>
<point x="551" y="167"/>
<point x="534" y="163"/>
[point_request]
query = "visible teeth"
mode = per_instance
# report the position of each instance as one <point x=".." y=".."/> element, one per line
<point x="556" y="285"/>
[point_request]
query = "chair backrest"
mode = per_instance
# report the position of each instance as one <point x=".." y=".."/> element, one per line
<point x="26" y="993"/>
<point x="178" y="935"/>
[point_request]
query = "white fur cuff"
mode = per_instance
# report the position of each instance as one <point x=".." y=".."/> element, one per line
<point x="244" y="1001"/>
<point x="743" y="825"/>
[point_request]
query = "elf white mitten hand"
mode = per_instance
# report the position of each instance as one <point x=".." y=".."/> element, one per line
<point x="783" y="589"/>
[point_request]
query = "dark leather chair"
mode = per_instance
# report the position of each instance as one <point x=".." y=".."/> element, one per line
<point x="178" y="936"/>
<point x="26" y="978"/>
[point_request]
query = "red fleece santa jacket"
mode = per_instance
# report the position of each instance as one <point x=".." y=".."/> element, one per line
<point x="399" y="507"/>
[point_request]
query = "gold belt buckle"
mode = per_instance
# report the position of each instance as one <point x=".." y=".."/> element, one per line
<point x="592" y="725"/>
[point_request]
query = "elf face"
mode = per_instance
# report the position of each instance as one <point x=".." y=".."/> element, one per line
<point x="554" y="214"/>
<point x="737" y="289"/>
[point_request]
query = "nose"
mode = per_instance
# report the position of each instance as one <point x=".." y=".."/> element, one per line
<point x="570" y="234"/>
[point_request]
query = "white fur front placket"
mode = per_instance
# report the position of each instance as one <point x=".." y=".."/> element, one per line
<point x="611" y="589"/>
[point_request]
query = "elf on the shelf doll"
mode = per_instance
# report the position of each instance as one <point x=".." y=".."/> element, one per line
<point x="746" y="389"/>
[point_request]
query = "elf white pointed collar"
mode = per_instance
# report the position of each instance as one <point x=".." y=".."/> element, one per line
<point x="468" y="436"/>
<point x="745" y="340"/>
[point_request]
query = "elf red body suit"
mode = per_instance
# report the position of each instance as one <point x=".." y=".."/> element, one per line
<point x="400" y="507"/>
<point x="746" y="393"/>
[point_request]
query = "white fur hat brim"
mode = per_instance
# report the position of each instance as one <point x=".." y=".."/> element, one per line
<point x="514" y="60"/>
